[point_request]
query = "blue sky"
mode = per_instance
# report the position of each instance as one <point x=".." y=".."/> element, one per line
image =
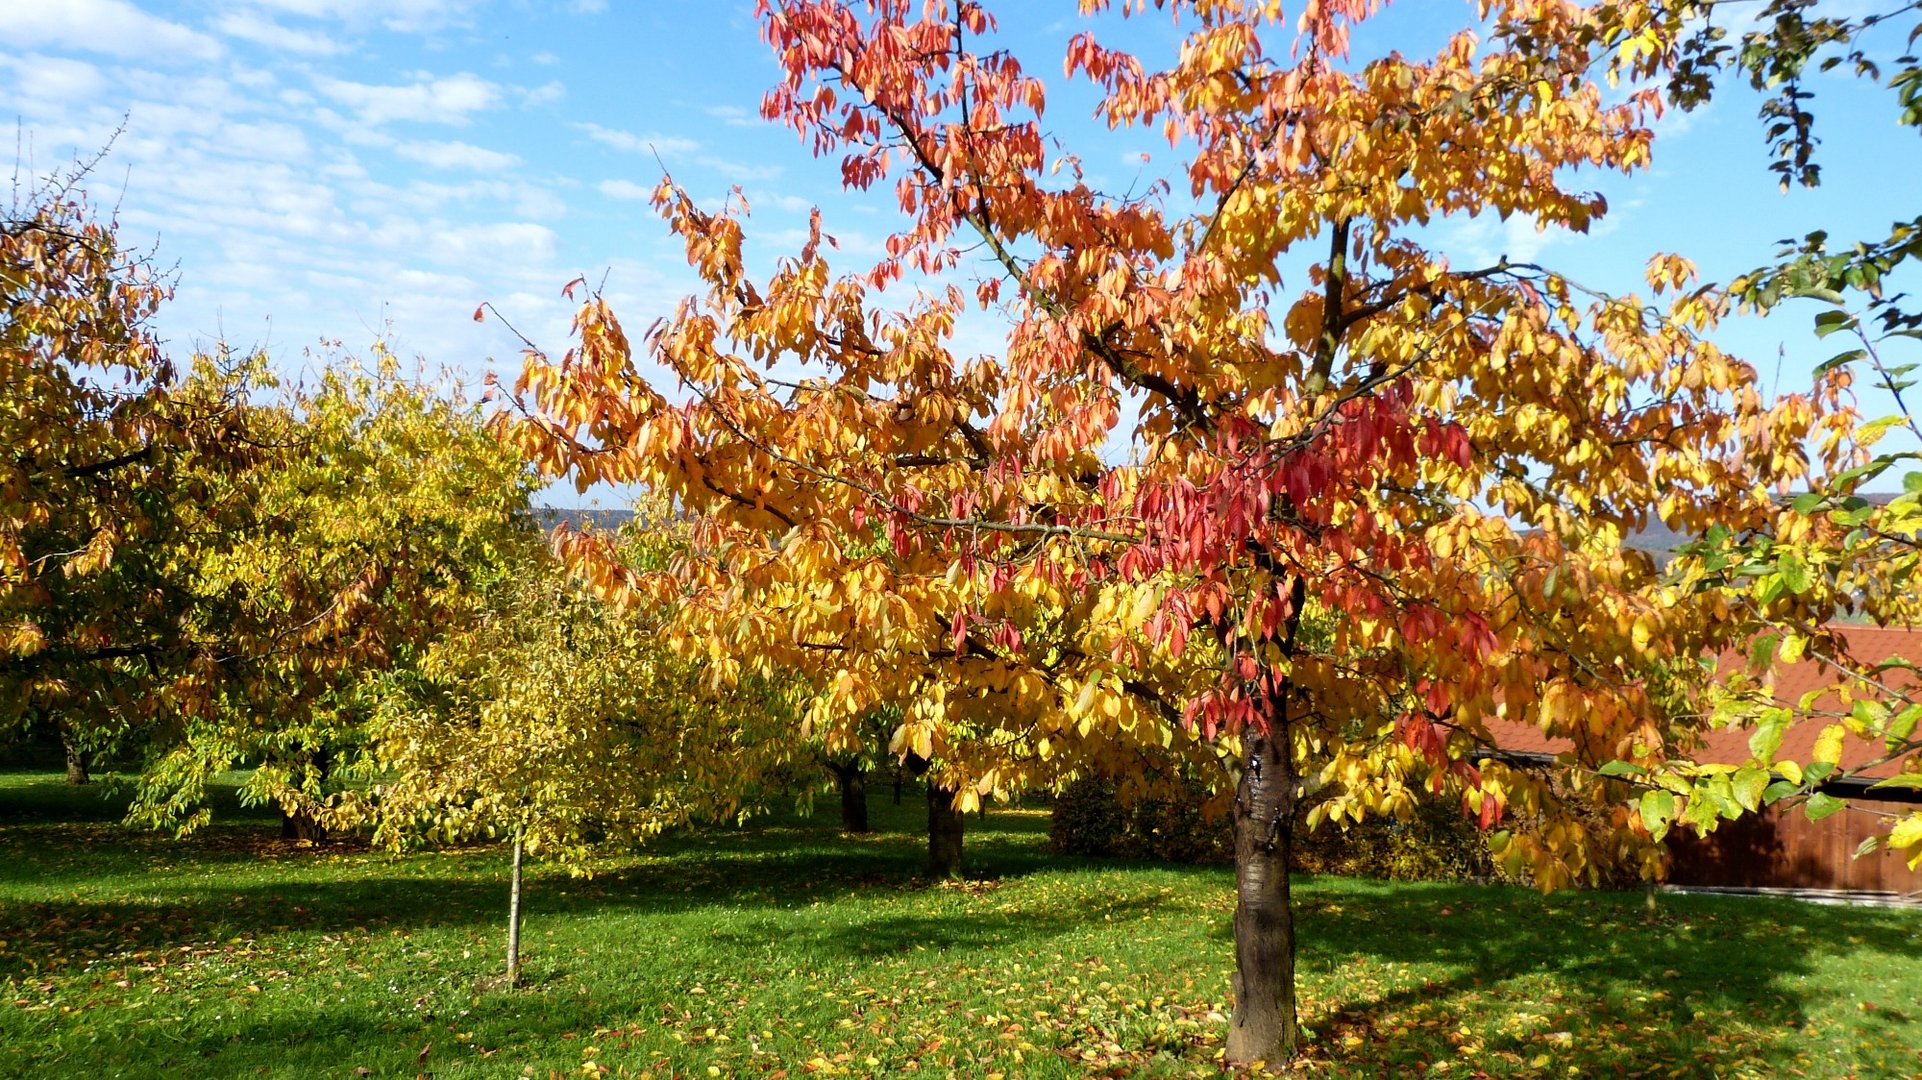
<point x="328" y="170"/>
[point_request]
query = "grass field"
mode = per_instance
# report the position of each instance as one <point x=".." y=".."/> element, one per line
<point x="785" y="948"/>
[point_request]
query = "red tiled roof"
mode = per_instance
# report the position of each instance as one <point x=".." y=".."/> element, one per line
<point x="1868" y="644"/>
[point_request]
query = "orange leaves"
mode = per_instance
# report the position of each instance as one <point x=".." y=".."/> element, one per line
<point x="1410" y="498"/>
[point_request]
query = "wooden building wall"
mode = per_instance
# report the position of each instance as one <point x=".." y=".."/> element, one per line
<point x="1777" y="849"/>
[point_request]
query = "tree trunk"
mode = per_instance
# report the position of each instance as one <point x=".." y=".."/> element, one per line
<point x="1264" y="1026"/>
<point x="302" y="824"/>
<point x="76" y="758"/>
<point x="897" y="783"/>
<point x="854" y="796"/>
<point x="945" y="826"/>
<point x="514" y="917"/>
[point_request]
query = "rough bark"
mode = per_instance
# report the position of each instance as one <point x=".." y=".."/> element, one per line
<point x="1264" y="1025"/>
<point x="945" y="827"/>
<point x="76" y="758"/>
<point x="301" y="824"/>
<point x="853" y="780"/>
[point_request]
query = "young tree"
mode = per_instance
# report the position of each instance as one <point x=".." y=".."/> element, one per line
<point x="558" y="721"/>
<point x="852" y="765"/>
<point x="1437" y="462"/>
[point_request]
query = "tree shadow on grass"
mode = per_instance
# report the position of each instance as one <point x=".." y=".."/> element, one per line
<point x="1589" y="978"/>
<point x="783" y="863"/>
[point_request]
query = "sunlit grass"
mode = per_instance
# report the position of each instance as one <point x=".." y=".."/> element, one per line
<point x="786" y="947"/>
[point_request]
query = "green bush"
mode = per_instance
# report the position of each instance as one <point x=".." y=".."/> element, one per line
<point x="1435" y="843"/>
<point x="1090" y="819"/>
<point x="1086" y="819"/>
<point x="1171" y="831"/>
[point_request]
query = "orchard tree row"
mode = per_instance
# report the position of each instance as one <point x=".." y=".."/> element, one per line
<point x="335" y="584"/>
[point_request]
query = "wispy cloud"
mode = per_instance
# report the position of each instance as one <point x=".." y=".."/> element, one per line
<point x="54" y="78"/>
<point x="732" y="115"/>
<point x="456" y="155"/>
<point x="112" y="27"/>
<point x="664" y="145"/>
<point x="740" y="171"/>
<point x="406" y="16"/>
<point x="262" y="30"/>
<point x="624" y="189"/>
<point x="545" y="94"/>
<point x="449" y="100"/>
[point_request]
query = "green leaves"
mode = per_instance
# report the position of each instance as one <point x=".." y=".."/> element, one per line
<point x="1822" y="805"/>
<point x="1828" y="322"/>
<point x="1750" y="787"/>
<point x="1657" y="809"/>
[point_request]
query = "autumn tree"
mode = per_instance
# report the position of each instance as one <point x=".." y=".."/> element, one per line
<point x="373" y="520"/>
<point x="99" y="444"/>
<point x="559" y="722"/>
<point x="1437" y="462"/>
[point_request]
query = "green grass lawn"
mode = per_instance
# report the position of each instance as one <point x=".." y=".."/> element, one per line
<point x="785" y="948"/>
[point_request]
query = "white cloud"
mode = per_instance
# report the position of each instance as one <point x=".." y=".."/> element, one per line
<point x="544" y="94"/>
<point x="271" y="140"/>
<point x="545" y="58"/>
<point x="731" y="115"/>
<point x="456" y="155"/>
<point x="407" y="16"/>
<point x="624" y="189"/>
<point x="54" y="78"/>
<point x="793" y="204"/>
<point x="492" y="244"/>
<point x="1485" y="238"/>
<point x="261" y="30"/>
<point x="626" y="140"/>
<point x="740" y="171"/>
<point x="113" y="27"/>
<point x="449" y="100"/>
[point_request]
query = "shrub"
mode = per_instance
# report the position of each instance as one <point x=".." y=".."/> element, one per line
<point x="1091" y="819"/>
<point x="1435" y="843"/>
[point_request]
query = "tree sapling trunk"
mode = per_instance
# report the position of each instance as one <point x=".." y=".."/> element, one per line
<point x="514" y="916"/>
<point x="303" y="822"/>
<point x="76" y="757"/>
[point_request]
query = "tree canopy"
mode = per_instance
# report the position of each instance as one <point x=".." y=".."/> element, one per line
<point x="1321" y="529"/>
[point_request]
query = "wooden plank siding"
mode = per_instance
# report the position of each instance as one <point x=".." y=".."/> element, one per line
<point x="1784" y="849"/>
<point x="1777" y="848"/>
